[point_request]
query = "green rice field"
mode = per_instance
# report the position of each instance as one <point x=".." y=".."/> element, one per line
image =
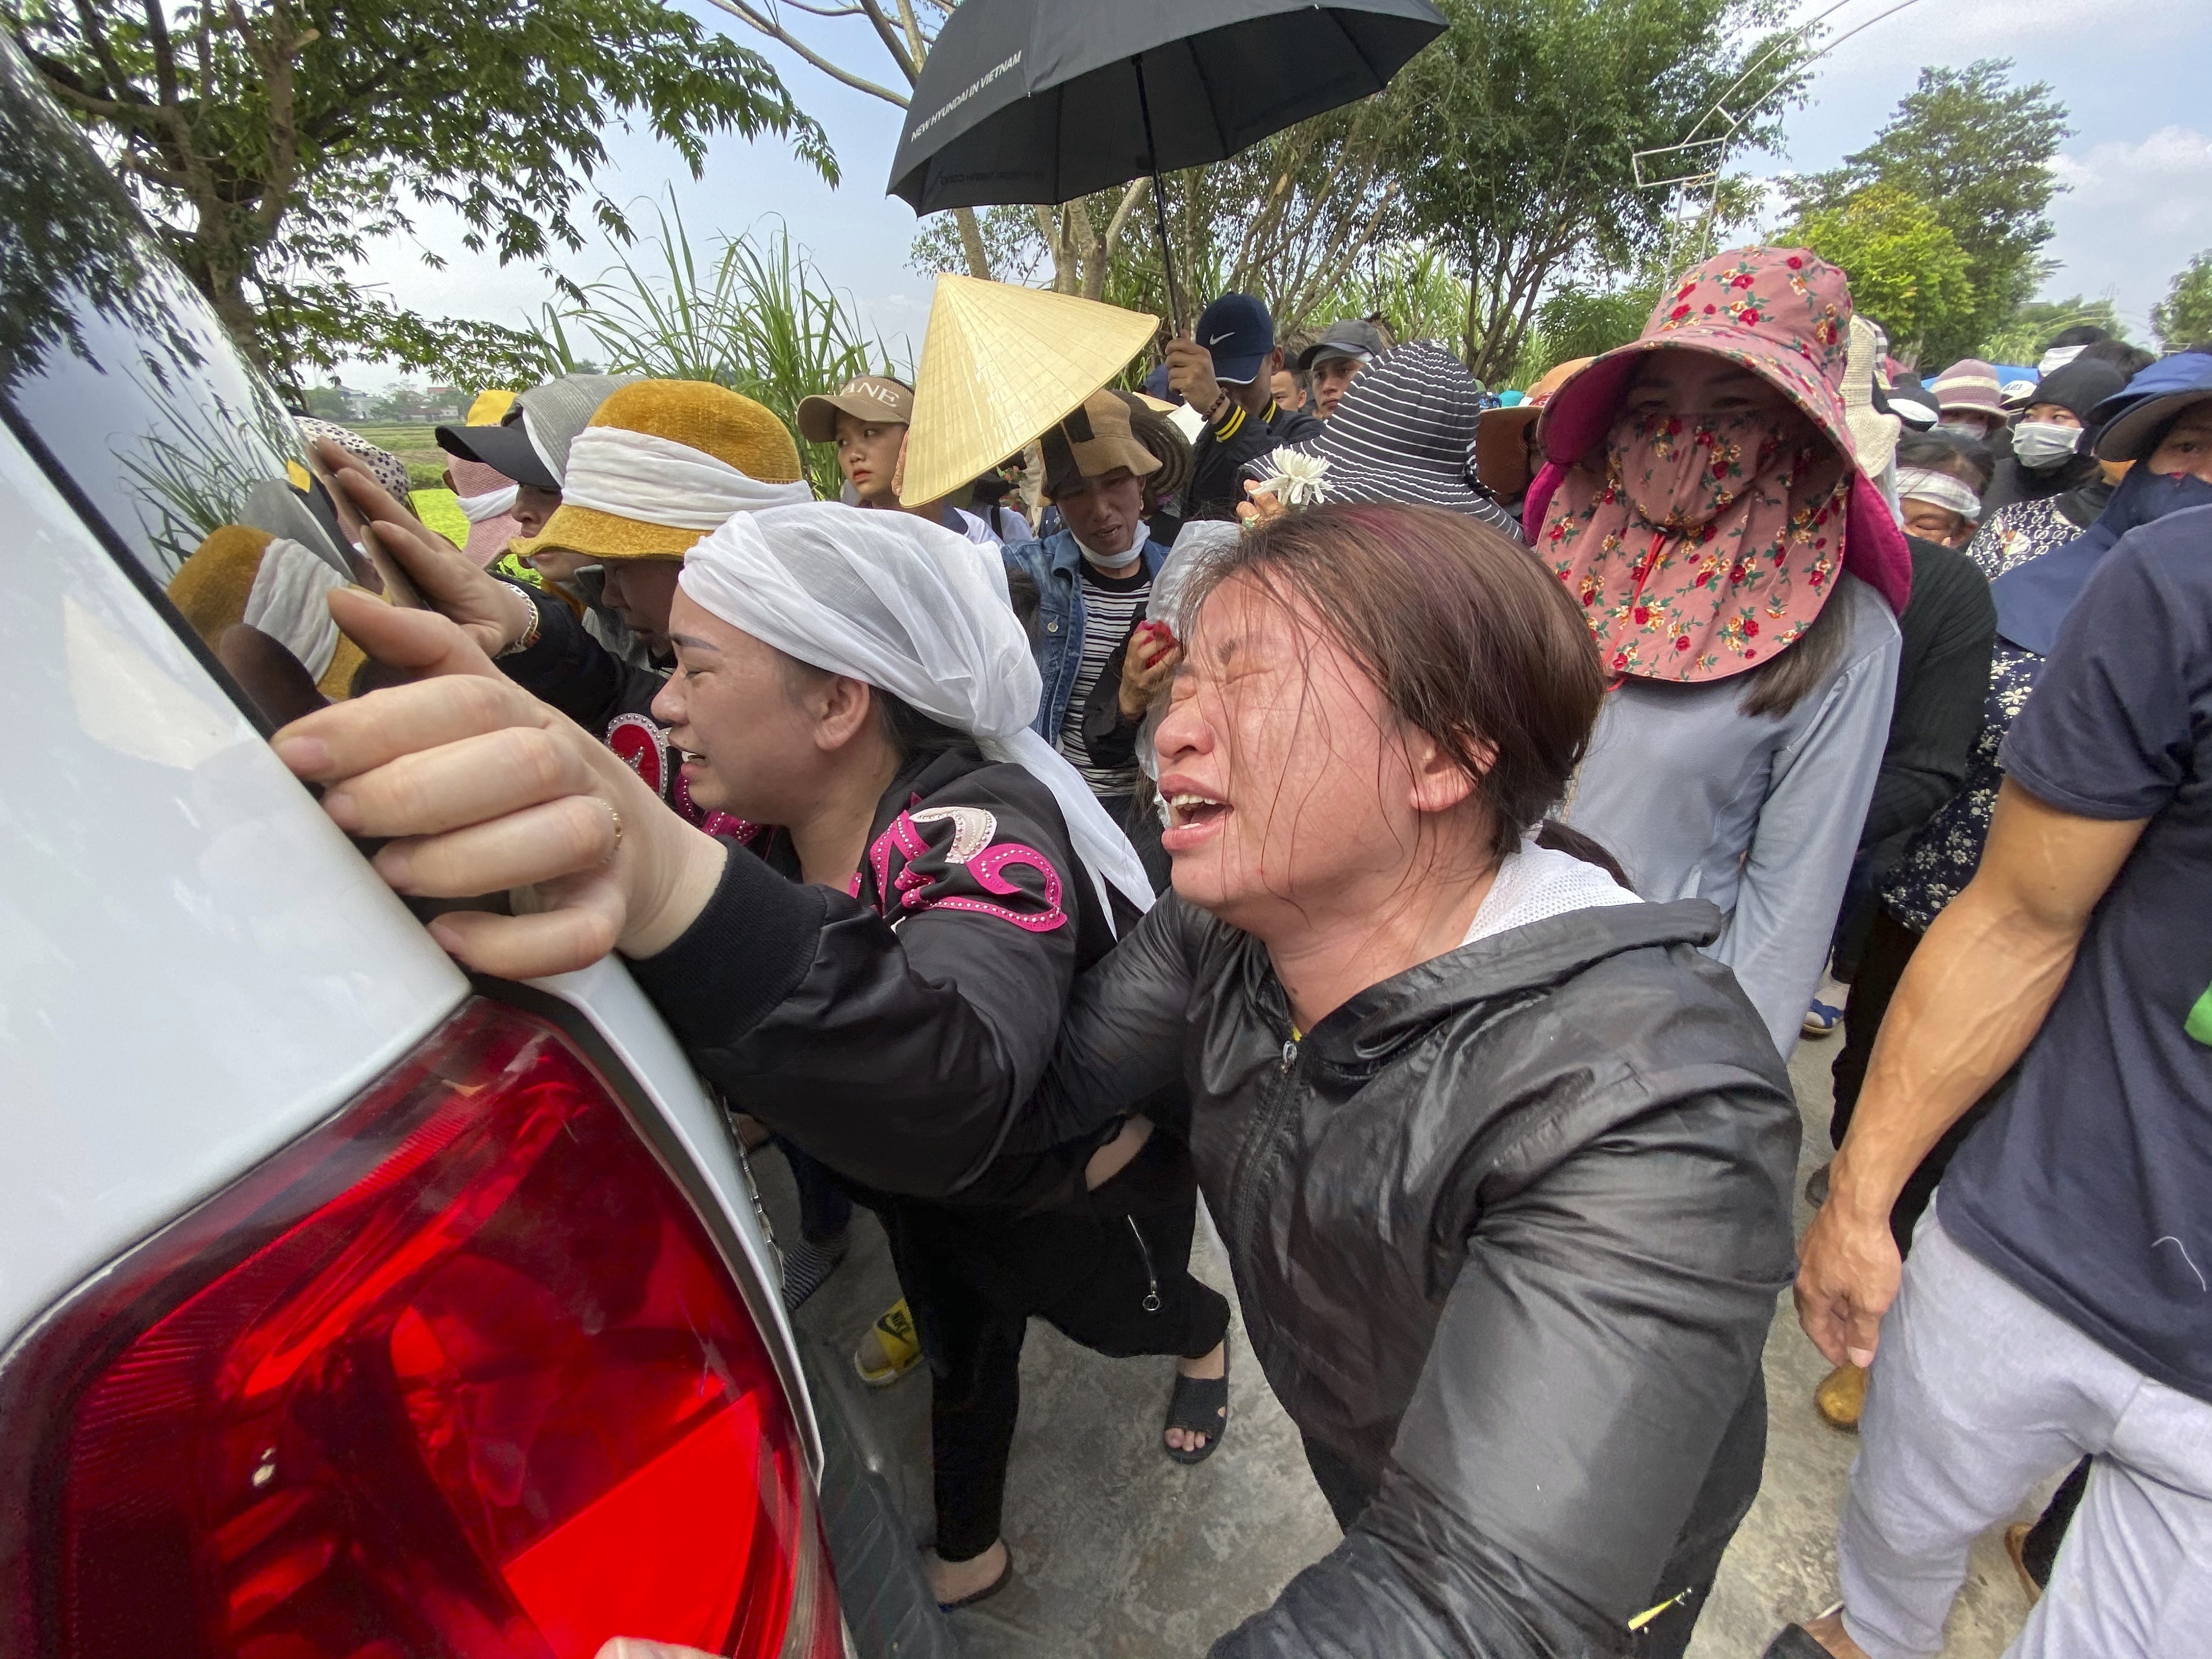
<point x="414" y="445"/>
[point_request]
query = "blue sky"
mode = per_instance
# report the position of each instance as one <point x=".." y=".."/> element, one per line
<point x="2132" y="73"/>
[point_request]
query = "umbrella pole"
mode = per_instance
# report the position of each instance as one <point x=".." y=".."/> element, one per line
<point x="1159" y="203"/>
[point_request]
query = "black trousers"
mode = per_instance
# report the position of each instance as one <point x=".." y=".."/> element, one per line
<point x="1889" y="947"/>
<point x="825" y="1209"/>
<point x="1111" y="1270"/>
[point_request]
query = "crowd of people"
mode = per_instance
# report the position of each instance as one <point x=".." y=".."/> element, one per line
<point x="1423" y="825"/>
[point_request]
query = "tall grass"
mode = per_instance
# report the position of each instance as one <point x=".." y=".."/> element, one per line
<point x="1410" y="285"/>
<point x="755" y="313"/>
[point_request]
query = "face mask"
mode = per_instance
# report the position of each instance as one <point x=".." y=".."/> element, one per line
<point x="1098" y="560"/>
<point x="2039" y="445"/>
<point x="1681" y="471"/>
<point x="1970" y="429"/>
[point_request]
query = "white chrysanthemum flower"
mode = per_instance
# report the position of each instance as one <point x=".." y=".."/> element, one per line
<point x="1297" y="479"/>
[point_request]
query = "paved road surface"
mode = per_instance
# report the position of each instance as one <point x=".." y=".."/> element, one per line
<point x="1121" y="1554"/>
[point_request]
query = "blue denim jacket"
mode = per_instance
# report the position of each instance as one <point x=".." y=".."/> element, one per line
<point x="1056" y="564"/>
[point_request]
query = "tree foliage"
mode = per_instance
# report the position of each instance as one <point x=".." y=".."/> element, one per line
<point x="272" y="141"/>
<point x="1530" y="113"/>
<point x="906" y="30"/>
<point x="1907" y="270"/>
<point x="2184" y="318"/>
<point x="1410" y="290"/>
<point x="2021" y="337"/>
<point x="1577" y="322"/>
<point x="1975" y="149"/>
<point x="754" y="313"/>
<point x="1288" y="219"/>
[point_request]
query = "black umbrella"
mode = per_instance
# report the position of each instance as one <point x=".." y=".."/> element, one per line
<point x="1045" y="100"/>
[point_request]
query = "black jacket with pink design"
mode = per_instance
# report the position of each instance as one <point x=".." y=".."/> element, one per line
<point x="894" y="1031"/>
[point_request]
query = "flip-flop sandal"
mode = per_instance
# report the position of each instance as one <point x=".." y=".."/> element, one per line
<point x="901" y="1344"/>
<point x="1200" y="1405"/>
<point x="987" y="1592"/>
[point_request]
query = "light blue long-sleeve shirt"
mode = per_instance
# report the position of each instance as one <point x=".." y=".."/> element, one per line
<point x="1760" y="814"/>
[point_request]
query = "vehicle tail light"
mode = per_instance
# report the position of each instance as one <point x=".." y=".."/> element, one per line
<point x="461" y="1373"/>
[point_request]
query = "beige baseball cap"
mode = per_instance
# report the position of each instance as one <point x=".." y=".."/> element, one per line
<point x="865" y="398"/>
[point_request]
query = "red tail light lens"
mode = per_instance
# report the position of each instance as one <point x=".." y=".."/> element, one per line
<point x="461" y="1374"/>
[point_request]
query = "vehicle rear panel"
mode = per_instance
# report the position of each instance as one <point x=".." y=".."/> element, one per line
<point x="195" y="965"/>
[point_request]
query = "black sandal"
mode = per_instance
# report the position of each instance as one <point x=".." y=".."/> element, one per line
<point x="985" y="1593"/>
<point x="1200" y="1405"/>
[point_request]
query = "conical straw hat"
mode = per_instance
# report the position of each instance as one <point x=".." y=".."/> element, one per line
<point x="1000" y="365"/>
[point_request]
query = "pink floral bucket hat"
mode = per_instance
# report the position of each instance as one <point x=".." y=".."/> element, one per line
<point x="1785" y="314"/>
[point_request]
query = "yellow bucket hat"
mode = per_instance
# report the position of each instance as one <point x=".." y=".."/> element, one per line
<point x="662" y="463"/>
<point x="242" y="574"/>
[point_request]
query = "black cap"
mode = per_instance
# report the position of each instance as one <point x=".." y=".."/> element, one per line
<point x="506" y="448"/>
<point x="1349" y="337"/>
<point x="1907" y="399"/>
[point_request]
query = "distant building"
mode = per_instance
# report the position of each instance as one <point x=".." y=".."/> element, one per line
<point x="445" y="403"/>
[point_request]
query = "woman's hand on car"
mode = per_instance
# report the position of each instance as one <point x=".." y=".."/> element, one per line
<point x="494" y="613"/>
<point x="481" y="789"/>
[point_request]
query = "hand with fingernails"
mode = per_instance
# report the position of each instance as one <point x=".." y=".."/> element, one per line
<point x="493" y="613"/>
<point x="1190" y="373"/>
<point x="481" y="789"/>
<point x="1260" y="505"/>
<point x="1848" y="1271"/>
<point x="1146" y="666"/>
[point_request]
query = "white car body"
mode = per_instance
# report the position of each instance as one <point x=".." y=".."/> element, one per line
<point x="195" y="967"/>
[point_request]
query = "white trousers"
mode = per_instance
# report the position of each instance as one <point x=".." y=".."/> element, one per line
<point x="1978" y="1393"/>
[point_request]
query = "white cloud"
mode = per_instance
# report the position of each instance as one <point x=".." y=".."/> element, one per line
<point x="1940" y="31"/>
<point x="2133" y="214"/>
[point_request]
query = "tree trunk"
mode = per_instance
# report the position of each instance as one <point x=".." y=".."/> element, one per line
<point x="224" y="286"/>
<point x="1468" y="343"/>
<point x="971" y="243"/>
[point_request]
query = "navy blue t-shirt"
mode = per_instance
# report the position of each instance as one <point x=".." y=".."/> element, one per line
<point x="2091" y="1186"/>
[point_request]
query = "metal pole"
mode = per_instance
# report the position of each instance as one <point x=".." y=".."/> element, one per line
<point x="1159" y="202"/>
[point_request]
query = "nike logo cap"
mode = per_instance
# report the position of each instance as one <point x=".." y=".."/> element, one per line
<point x="1240" y="334"/>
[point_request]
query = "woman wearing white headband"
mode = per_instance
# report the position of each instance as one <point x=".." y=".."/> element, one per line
<point x="883" y="984"/>
<point x="1937" y="505"/>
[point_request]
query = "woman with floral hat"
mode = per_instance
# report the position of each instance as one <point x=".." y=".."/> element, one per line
<point x="1743" y="577"/>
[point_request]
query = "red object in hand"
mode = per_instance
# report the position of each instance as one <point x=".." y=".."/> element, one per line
<point x="1147" y="630"/>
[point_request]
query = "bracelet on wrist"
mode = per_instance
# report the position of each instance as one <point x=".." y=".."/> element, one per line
<point x="528" y="637"/>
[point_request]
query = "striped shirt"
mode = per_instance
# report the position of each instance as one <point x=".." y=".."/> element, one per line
<point x="1111" y="606"/>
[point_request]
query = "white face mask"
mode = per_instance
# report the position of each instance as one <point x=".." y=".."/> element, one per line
<point x="1972" y="429"/>
<point x="1110" y="563"/>
<point x="2039" y="445"/>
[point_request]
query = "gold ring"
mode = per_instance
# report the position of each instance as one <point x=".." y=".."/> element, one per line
<point x="616" y="817"/>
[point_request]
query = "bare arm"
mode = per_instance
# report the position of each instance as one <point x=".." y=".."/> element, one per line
<point x="1973" y="998"/>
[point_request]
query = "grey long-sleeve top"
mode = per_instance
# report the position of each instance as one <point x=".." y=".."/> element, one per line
<point x="1759" y="814"/>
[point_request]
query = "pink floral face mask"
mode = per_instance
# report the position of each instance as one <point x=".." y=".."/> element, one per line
<point x="1705" y="543"/>
<point x="1682" y="471"/>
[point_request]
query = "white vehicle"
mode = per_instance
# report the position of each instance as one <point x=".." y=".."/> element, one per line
<point x="347" y="1307"/>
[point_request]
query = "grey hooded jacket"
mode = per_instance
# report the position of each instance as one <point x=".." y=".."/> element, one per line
<point x="1507" y="1230"/>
